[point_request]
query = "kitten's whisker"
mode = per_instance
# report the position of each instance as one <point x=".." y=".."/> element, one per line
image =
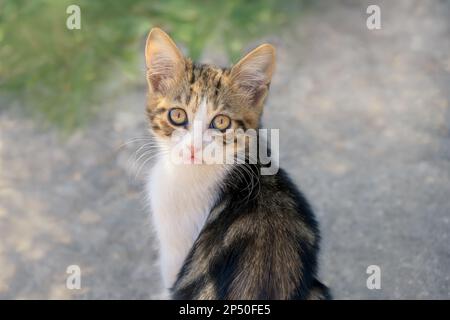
<point x="143" y="146"/>
<point x="147" y="148"/>
<point x="246" y="168"/>
<point x="242" y="177"/>
<point x="137" y="139"/>
<point x="126" y="143"/>
<point x="162" y="152"/>
<point x="149" y="143"/>
<point x="131" y="161"/>
<point x="251" y="176"/>
<point x="147" y="152"/>
<point x="256" y="176"/>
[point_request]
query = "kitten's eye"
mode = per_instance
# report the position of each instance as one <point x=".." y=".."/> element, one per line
<point x="221" y="122"/>
<point x="177" y="116"/>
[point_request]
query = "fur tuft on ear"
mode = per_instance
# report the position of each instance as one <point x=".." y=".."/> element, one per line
<point x="165" y="63"/>
<point x="252" y="74"/>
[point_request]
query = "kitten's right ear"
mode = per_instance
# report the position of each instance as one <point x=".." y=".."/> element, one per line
<point x="165" y="62"/>
<point x="252" y="74"/>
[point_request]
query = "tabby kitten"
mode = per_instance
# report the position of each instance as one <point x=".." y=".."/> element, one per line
<point x="222" y="236"/>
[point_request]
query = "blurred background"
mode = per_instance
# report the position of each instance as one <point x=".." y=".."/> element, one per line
<point x="364" y="130"/>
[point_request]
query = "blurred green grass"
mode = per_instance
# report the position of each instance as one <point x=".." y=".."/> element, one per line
<point x="58" y="74"/>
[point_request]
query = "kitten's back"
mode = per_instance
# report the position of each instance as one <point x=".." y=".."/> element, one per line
<point x="257" y="245"/>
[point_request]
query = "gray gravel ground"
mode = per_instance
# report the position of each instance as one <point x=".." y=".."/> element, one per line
<point x="364" y="131"/>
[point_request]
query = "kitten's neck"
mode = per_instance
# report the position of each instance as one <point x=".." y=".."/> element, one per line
<point x="181" y="197"/>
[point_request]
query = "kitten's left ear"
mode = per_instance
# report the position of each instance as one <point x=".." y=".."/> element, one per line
<point x="252" y="74"/>
<point x="165" y="62"/>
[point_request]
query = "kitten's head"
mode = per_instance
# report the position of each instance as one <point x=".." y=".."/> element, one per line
<point x="184" y="96"/>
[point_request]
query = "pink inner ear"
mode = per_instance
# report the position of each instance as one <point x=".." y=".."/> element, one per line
<point x="259" y="93"/>
<point x="252" y="74"/>
<point x="252" y="83"/>
<point x="161" y="72"/>
<point x="155" y="80"/>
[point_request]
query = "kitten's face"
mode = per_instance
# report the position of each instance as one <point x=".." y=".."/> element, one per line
<point x="187" y="100"/>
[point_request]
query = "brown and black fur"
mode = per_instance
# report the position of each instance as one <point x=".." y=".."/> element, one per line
<point x="258" y="242"/>
<point x="202" y="80"/>
<point x="260" y="247"/>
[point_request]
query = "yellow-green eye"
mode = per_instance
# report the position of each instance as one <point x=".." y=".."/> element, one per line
<point x="221" y="122"/>
<point x="177" y="116"/>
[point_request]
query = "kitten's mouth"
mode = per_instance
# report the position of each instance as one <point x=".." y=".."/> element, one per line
<point x="196" y="159"/>
<point x="192" y="160"/>
<point x="195" y="155"/>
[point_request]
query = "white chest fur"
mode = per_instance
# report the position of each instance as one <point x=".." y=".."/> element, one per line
<point x="181" y="197"/>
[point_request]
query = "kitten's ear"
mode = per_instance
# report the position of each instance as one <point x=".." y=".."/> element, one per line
<point x="165" y="62"/>
<point x="252" y="74"/>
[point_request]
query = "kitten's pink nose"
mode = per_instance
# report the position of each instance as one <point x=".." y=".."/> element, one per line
<point x="194" y="150"/>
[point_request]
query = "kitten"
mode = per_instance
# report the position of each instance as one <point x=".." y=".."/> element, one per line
<point x="225" y="230"/>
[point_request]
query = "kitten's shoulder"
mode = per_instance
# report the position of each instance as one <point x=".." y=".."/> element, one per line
<point x="279" y="191"/>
